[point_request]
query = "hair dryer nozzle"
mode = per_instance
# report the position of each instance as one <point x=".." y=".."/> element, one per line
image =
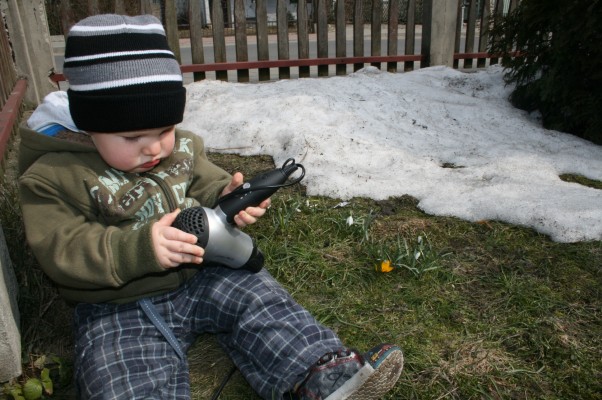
<point x="194" y="220"/>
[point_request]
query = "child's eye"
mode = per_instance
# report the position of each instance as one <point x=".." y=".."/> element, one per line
<point x="131" y="138"/>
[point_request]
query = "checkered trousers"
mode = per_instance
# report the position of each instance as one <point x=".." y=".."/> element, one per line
<point x="272" y="340"/>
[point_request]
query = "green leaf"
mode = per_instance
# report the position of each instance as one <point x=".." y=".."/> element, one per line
<point x="32" y="389"/>
<point x="14" y="392"/>
<point x="40" y="362"/>
<point x="47" y="381"/>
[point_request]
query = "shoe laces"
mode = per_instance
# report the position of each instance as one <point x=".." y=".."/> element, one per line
<point x="341" y="353"/>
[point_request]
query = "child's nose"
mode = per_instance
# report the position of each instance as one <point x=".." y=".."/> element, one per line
<point x="152" y="147"/>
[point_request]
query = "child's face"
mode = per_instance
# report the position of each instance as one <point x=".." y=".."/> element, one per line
<point x="136" y="151"/>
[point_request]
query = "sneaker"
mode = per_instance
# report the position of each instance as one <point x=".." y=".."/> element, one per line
<point x="348" y="375"/>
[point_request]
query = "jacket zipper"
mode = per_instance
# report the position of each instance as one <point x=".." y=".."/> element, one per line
<point x="171" y="202"/>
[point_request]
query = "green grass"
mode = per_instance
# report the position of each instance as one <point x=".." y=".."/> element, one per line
<point x="486" y="310"/>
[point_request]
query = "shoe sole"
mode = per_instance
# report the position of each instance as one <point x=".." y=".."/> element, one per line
<point x="369" y="383"/>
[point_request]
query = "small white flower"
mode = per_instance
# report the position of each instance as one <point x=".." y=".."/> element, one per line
<point x="417" y="255"/>
<point x="350" y="220"/>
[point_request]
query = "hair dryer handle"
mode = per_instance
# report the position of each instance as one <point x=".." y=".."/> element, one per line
<point x="256" y="190"/>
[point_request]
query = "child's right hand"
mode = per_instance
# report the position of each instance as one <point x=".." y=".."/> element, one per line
<point x="173" y="246"/>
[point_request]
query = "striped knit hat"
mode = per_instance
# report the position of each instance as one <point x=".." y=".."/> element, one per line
<point x="122" y="75"/>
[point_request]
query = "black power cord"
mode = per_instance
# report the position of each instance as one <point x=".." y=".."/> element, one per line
<point x="222" y="385"/>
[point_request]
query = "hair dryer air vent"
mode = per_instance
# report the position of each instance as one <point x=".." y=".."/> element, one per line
<point x="194" y="220"/>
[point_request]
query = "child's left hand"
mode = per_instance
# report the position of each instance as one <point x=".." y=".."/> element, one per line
<point x="249" y="215"/>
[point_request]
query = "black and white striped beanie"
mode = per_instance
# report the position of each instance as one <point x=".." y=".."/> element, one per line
<point x="122" y="75"/>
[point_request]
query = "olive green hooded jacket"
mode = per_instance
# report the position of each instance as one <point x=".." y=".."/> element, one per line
<point x="89" y="225"/>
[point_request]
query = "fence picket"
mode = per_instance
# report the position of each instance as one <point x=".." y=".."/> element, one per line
<point x="470" y="32"/>
<point x="219" y="39"/>
<point x="196" y="37"/>
<point x="341" y="36"/>
<point x="484" y="33"/>
<point x="171" y="28"/>
<point x="322" y="36"/>
<point x="240" y="25"/>
<point x="282" y="37"/>
<point x="8" y="75"/>
<point x="12" y="91"/>
<point x="375" y="37"/>
<point x="410" y="34"/>
<point x="392" y="28"/>
<point x="302" y="36"/>
<point x="358" y="32"/>
<point x="263" y="51"/>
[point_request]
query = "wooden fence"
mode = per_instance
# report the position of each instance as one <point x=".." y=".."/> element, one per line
<point x="400" y="52"/>
<point x="12" y="91"/>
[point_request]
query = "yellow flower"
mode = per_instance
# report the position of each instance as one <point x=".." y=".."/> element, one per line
<point x="385" y="266"/>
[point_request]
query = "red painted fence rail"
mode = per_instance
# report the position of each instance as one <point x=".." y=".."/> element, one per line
<point x="11" y="111"/>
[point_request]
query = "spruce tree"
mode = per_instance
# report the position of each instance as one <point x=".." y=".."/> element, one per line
<point x="559" y="67"/>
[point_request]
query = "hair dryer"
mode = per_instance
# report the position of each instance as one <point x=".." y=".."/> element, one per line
<point x="223" y="242"/>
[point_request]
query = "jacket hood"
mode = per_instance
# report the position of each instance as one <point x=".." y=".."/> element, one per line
<point x="33" y="145"/>
<point x="50" y="129"/>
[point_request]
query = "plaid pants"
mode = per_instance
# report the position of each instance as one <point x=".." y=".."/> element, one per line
<point x="272" y="340"/>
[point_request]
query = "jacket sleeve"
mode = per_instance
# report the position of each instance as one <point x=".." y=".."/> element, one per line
<point x="73" y="247"/>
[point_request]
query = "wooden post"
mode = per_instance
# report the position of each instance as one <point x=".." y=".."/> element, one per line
<point x="459" y="27"/>
<point x="438" y="32"/>
<point x="30" y="39"/>
<point x="10" y="340"/>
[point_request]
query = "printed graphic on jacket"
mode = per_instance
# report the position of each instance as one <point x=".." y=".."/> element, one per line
<point x="141" y="197"/>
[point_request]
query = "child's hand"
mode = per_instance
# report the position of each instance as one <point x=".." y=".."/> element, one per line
<point x="173" y="246"/>
<point x="249" y="215"/>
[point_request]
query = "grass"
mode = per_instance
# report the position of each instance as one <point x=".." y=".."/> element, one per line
<point x="482" y="310"/>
